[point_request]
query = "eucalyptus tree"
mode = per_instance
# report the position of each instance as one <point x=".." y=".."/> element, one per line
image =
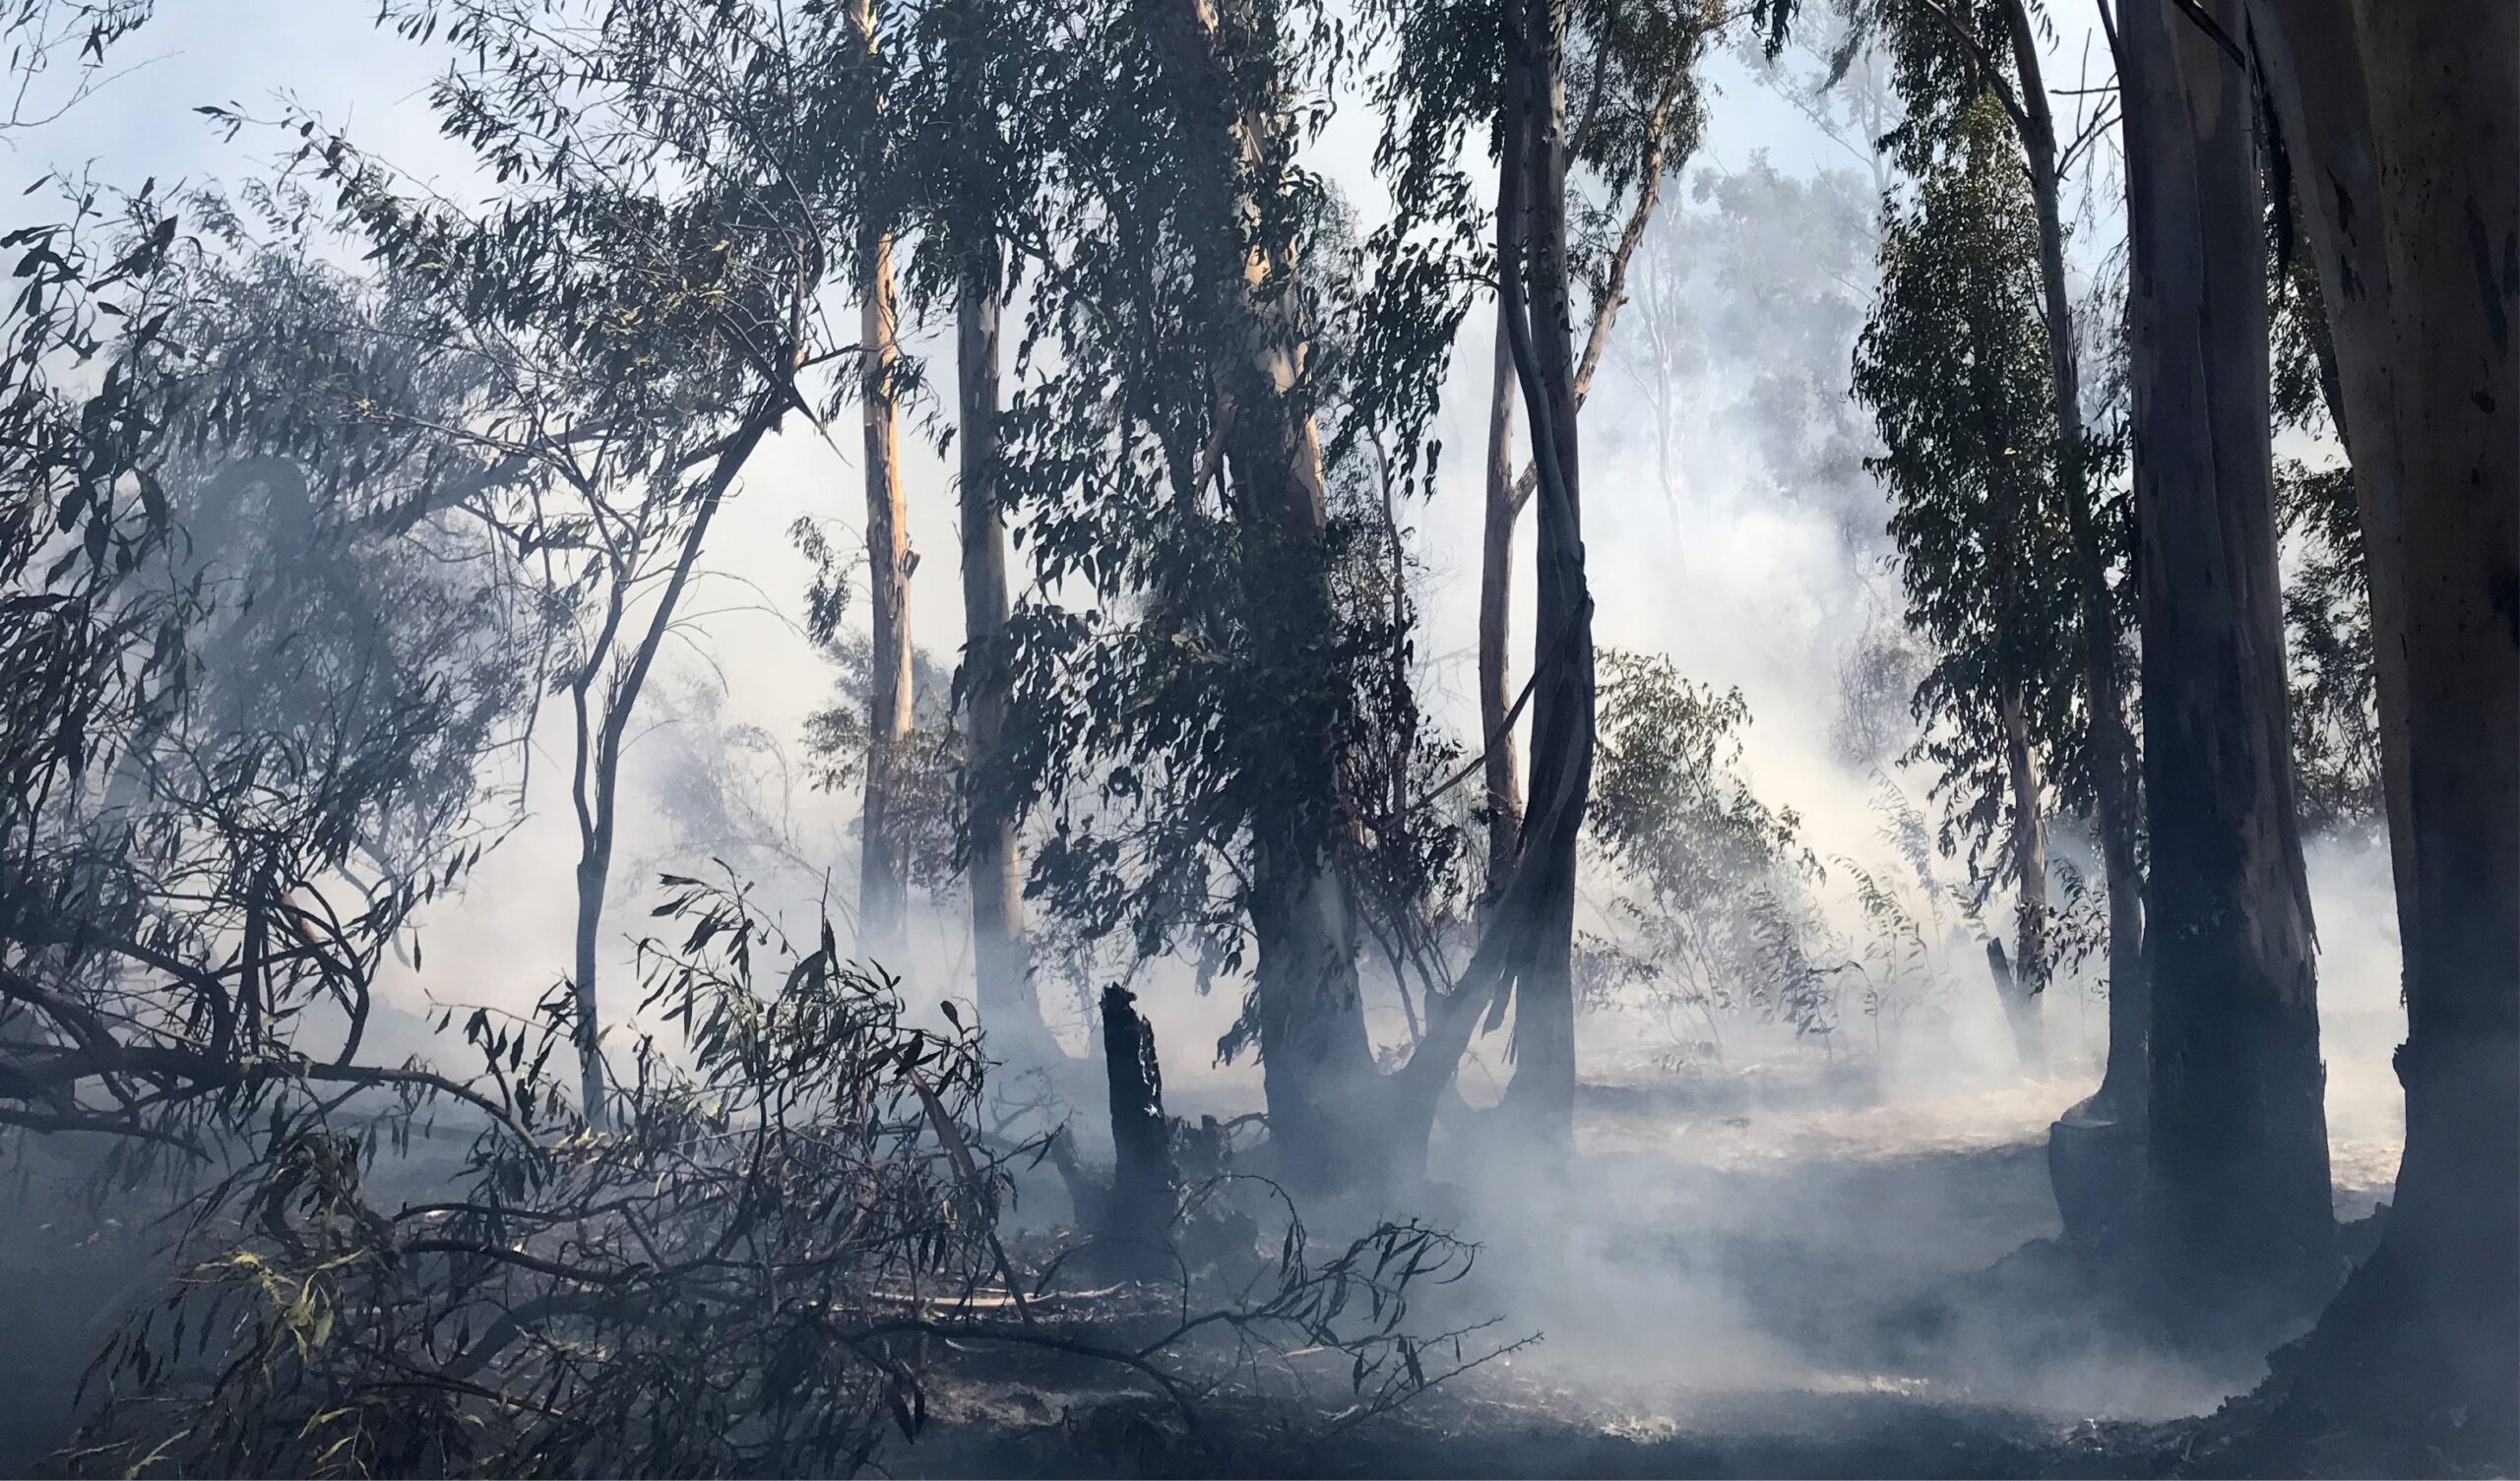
<point x="2237" y="1198"/>
<point x="2404" y="118"/>
<point x="1945" y="58"/>
<point x="1953" y="365"/>
<point x="1634" y="71"/>
<point x="196" y="788"/>
<point x="1169" y="462"/>
<point x="642" y="284"/>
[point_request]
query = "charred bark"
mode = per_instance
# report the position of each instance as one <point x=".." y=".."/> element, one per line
<point x="2402" y="122"/>
<point x="2237" y="1202"/>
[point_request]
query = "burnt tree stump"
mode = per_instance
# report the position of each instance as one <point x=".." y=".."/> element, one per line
<point x="1145" y="1181"/>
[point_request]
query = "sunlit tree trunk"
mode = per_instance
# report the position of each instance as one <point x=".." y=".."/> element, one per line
<point x="2237" y="1199"/>
<point x="883" y="881"/>
<point x="2403" y="122"/>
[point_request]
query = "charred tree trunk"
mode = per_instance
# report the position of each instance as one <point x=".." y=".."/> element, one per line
<point x="1539" y="1101"/>
<point x="1504" y="507"/>
<point x="2114" y="760"/>
<point x="883" y="870"/>
<point x="2402" y="122"/>
<point x="2237" y="1204"/>
<point x="1316" y="1063"/>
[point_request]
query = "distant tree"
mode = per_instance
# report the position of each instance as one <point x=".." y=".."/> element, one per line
<point x="973" y="140"/>
<point x="2327" y="602"/>
<point x="1953" y="365"/>
<point x="1712" y="875"/>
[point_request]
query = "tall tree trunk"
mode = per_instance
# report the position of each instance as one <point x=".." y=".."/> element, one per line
<point x="1507" y="494"/>
<point x="602" y="732"/>
<point x="1503" y="758"/>
<point x="2113" y="759"/>
<point x="883" y="878"/>
<point x="2403" y="121"/>
<point x="1316" y="1062"/>
<point x="1539" y="1101"/>
<point x="2023" y="981"/>
<point x="1008" y="1003"/>
<point x="2236" y="1201"/>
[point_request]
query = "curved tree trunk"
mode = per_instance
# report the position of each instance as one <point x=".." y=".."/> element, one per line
<point x="1539" y="1101"/>
<point x="2403" y="120"/>
<point x="2236" y="1202"/>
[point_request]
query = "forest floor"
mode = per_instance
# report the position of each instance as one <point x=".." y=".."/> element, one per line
<point x="1781" y="1271"/>
<point x="1776" y="1269"/>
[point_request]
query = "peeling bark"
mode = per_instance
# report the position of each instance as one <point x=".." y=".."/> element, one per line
<point x="883" y="877"/>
